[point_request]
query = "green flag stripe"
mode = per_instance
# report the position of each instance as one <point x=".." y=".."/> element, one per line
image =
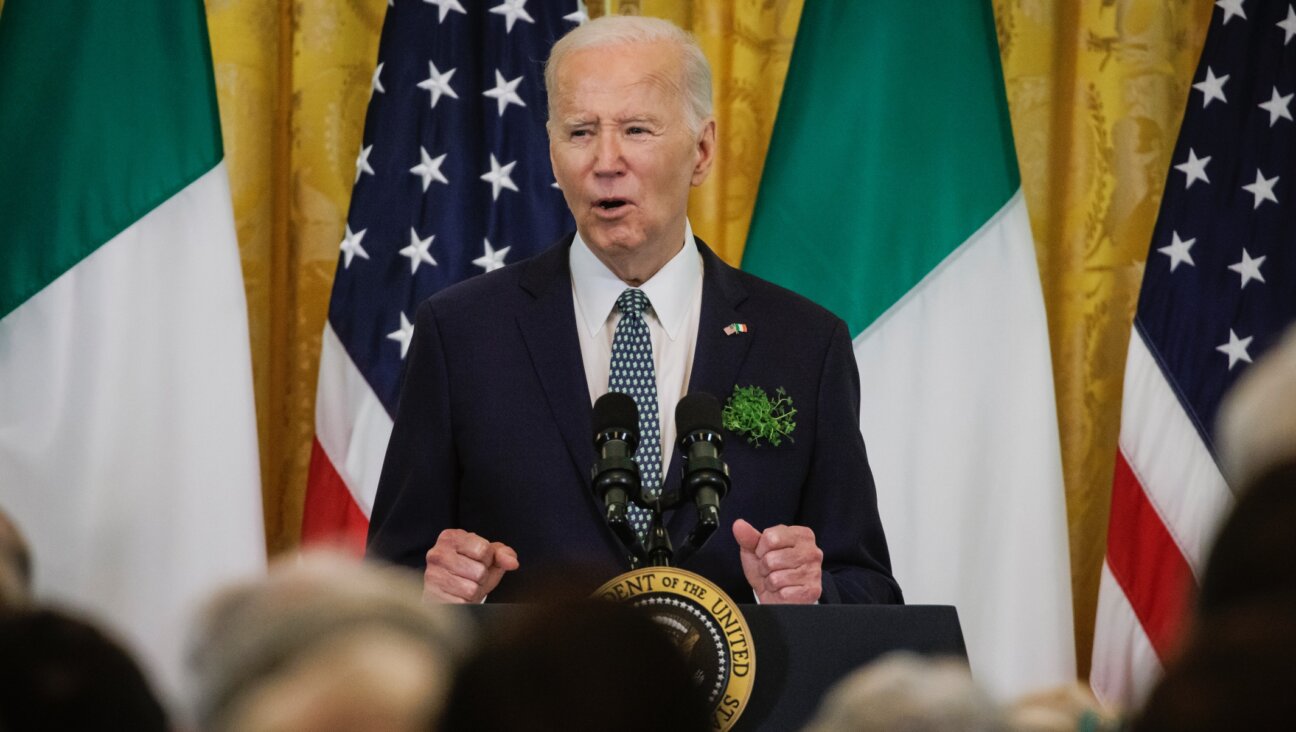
<point x="892" y="146"/>
<point x="106" y="110"/>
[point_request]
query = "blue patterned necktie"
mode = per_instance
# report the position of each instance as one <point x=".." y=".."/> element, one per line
<point x="634" y="375"/>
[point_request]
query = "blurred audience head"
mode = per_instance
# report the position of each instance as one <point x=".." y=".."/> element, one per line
<point x="1256" y="428"/>
<point x="1254" y="554"/>
<point x="61" y="673"/>
<point x="579" y="667"/>
<point x="15" y="565"/>
<point x="903" y="692"/>
<point x="1237" y="668"/>
<point x="1237" y="671"/>
<point x="325" y="643"/>
<point x="1070" y="708"/>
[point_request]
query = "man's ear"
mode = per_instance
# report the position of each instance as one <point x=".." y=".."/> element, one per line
<point x="705" y="149"/>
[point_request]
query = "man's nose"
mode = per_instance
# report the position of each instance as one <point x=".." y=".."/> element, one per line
<point x="608" y="158"/>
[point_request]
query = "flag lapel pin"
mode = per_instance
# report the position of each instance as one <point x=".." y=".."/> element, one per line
<point x="735" y="328"/>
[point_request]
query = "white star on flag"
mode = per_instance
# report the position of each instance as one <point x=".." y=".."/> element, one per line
<point x="403" y="335"/>
<point x="438" y="83"/>
<point x="499" y="178"/>
<point x="1212" y="87"/>
<point x="491" y="260"/>
<point x="1262" y="189"/>
<point x="1277" y="107"/>
<point x="579" y="17"/>
<point x="375" y="86"/>
<point x="1195" y="168"/>
<point x="512" y="10"/>
<point x="1249" y="268"/>
<point x="1231" y="8"/>
<point x="417" y="251"/>
<point x="429" y="168"/>
<point x="351" y="246"/>
<point x="505" y="92"/>
<point x="1289" y="25"/>
<point x="1236" y="348"/>
<point x="362" y="163"/>
<point x="1177" y="251"/>
<point x="445" y="6"/>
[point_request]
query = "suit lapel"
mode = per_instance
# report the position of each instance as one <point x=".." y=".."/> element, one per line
<point x="717" y="360"/>
<point x="548" y="327"/>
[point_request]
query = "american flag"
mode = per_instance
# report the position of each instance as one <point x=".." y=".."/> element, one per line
<point x="1218" y="290"/>
<point x="452" y="179"/>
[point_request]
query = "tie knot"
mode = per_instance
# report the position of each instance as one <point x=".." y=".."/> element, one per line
<point x="632" y="300"/>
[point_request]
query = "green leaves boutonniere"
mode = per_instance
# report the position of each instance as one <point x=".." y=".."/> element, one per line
<point x="750" y="412"/>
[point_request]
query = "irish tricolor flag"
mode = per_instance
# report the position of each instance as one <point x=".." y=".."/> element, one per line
<point x="892" y="196"/>
<point x="127" y="436"/>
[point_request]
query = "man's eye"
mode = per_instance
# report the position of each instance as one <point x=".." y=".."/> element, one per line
<point x="638" y="130"/>
<point x="579" y="133"/>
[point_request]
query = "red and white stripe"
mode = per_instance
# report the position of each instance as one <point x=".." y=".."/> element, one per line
<point x="1167" y="499"/>
<point x="351" y="433"/>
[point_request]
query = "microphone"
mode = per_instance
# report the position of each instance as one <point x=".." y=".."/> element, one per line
<point x="615" y="475"/>
<point x="706" y="477"/>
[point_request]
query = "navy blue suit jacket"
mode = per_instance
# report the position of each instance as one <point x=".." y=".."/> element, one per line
<point x="493" y="434"/>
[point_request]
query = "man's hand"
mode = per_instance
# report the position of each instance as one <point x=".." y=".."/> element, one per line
<point x="782" y="563"/>
<point x="463" y="567"/>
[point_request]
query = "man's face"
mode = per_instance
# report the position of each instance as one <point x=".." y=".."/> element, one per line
<point x="623" y="153"/>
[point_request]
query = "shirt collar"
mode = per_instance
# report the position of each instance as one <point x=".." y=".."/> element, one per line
<point x="670" y="291"/>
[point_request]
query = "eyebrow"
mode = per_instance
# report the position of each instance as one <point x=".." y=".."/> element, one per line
<point x="580" y="121"/>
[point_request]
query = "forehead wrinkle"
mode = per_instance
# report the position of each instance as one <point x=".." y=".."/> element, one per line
<point x="574" y="118"/>
<point x="668" y="82"/>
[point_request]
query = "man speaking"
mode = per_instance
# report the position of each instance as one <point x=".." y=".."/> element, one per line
<point x="486" y="480"/>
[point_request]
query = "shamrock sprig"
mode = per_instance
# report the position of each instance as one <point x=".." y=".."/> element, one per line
<point x="749" y="411"/>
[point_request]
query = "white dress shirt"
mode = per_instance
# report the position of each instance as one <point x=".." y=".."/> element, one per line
<point x="675" y="294"/>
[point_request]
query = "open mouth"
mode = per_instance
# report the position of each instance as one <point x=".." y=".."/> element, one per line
<point x="610" y="204"/>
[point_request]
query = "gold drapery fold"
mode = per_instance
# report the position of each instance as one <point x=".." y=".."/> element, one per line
<point x="292" y="79"/>
<point x="1096" y="93"/>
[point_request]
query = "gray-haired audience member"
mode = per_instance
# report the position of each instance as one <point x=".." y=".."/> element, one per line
<point x="903" y="692"/>
<point x="1070" y="708"/>
<point x="324" y="643"/>
<point x="15" y="565"/>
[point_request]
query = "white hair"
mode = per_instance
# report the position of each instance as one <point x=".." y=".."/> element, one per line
<point x="618" y="30"/>
<point x="268" y="633"/>
<point x="903" y="691"/>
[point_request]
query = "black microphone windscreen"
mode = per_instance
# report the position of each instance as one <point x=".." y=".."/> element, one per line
<point x="697" y="411"/>
<point x="616" y="411"/>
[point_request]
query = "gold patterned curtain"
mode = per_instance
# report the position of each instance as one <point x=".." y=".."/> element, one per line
<point x="292" y="77"/>
<point x="1096" y="92"/>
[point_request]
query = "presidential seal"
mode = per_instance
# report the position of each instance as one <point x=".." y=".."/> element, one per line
<point x="706" y="626"/>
